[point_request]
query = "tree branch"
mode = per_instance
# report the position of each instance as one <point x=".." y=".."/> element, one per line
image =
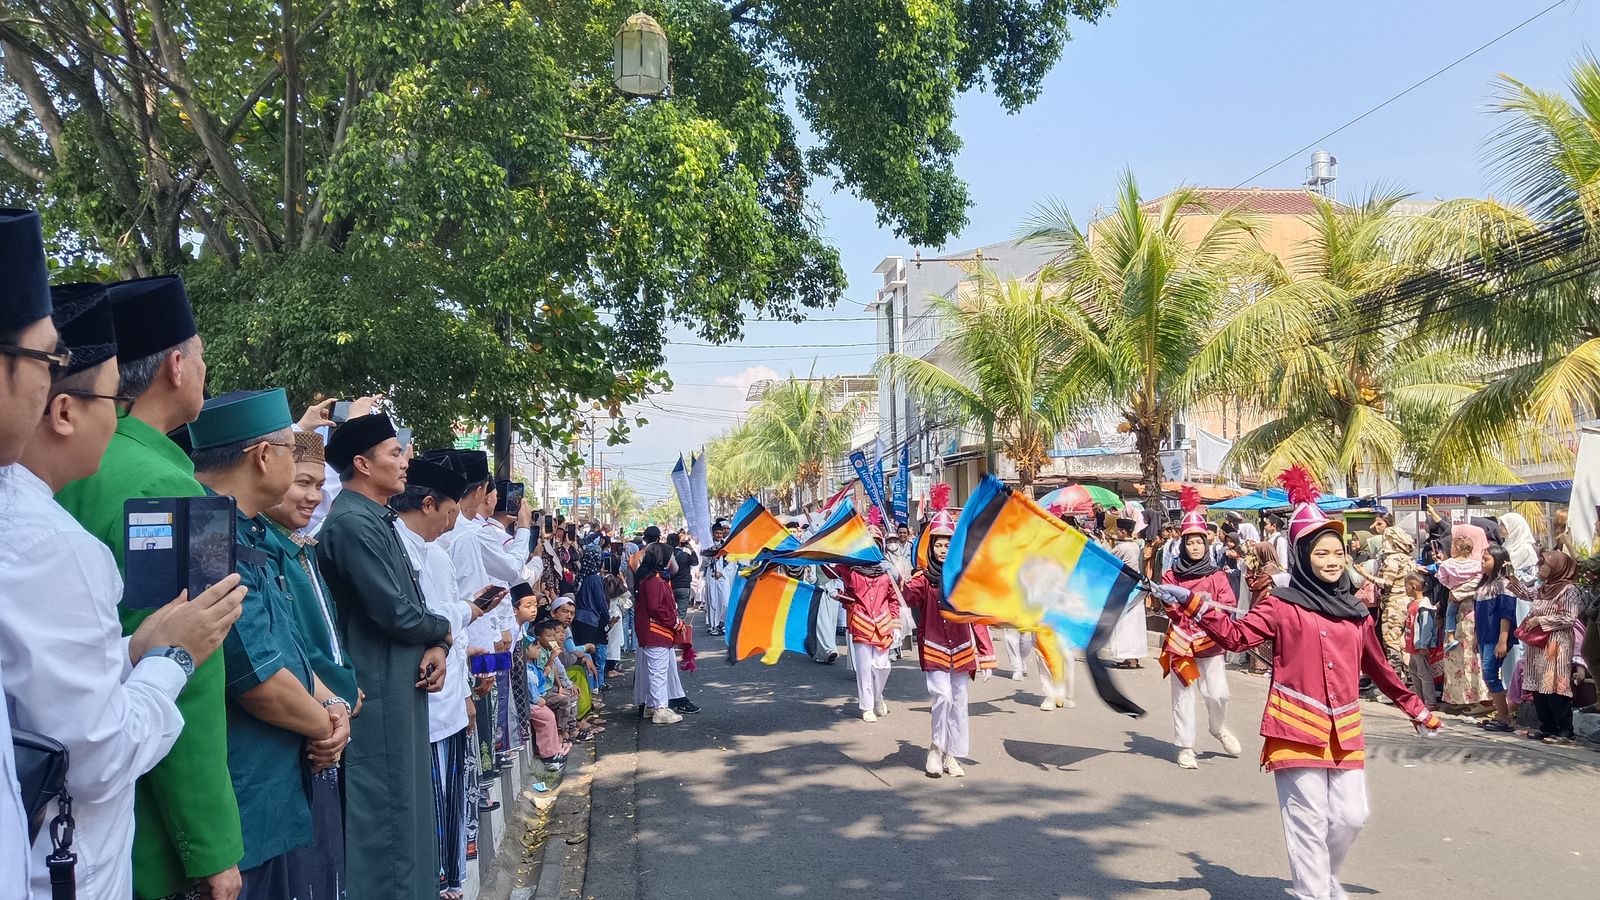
<point x="216" y="147"/>
<point x="312" y="228"/>
<point x="18" y="61"/>
<point x="20" y="161"/>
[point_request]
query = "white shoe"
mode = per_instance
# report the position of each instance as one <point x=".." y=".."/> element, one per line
<point x="1047" y="704"/>
<point x="952" y="767"/>
<point x="881" y="709"/>
<point x="1016" y="676"/>
<point x="665" y="716"/>
<point x="868" y="715"/>
<point x="934" y="766"/>
<point x="1230" y="744"/>
<point x="1186" y="759"/>
<point x="1068" y="704"/>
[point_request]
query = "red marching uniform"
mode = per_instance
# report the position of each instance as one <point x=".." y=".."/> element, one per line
<point x="943" y="645"/>
<point x="872" y="611"/>
<point x="1185" y="637"/>
<point x="1313" y="714"/>
<point x="659" y="626"/>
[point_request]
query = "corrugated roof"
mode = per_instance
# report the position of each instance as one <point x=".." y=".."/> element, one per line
<point x="1263" y="201"/>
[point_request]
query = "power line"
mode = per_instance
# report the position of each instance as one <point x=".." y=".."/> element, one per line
<point x="1458" y="61"/>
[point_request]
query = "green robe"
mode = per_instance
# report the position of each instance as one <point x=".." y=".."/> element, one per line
<point x="186" y="820"/>
<point x="391" y="838"/>
<point x="314" y="613"/>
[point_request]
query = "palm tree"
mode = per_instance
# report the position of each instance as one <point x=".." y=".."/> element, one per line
<point x="621" y="501"/>
<point x="798" y="425"/>
<point x="1544" y="313"/>
<point x="1006" y="347"/>
<point x="1156" y="319"/>
<point x="731" y="473"/>
<point x="1364" y="390"/>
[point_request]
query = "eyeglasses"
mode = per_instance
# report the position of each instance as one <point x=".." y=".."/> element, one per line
<point x="124" y="402"/>
<point x="58" y="361"/>
<point x="289" y="445"/>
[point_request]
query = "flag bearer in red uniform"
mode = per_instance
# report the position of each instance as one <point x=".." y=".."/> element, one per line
<point x="1189" y="656"/>
<point x="949" y="650"/>
<point x="872" y="614"/>
<point x="1322" y="644"/>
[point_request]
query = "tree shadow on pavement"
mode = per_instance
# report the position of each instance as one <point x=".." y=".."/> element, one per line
<point x="1223" y="883"/>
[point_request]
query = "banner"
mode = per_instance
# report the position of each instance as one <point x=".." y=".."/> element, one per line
<point x="902" y="488"/>
<point x="842" y="541"/>
<point x="770" y="613"/>
<point x="873" y="485"/>
<point x="753" y="530"/>
<point x="680" y="483"/>
<point x="699" y="495"/>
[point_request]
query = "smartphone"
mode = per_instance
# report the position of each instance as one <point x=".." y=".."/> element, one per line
<point x="572" y="532"/>
<point x="176" y="544"/>
<point x="488" y="596"/>
<point x="514" y="492"/>
<point x="550" y="524"/>
<point x="341" y="412"/>
<point x="403" y="435"/>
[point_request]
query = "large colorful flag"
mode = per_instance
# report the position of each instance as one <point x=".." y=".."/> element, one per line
<point x="768" y="614"/>
<point x="753" y="530"/>
<point x="1011" y="561"/>
<point x="842" y="540"/>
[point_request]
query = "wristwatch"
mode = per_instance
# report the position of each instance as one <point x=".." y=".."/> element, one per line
<point x="177" y="655"/>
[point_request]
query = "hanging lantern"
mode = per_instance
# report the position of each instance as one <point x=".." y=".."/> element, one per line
<point x="641" y="57"/>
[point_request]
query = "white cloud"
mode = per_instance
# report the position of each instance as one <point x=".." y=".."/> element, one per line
<point x="749" y="376"/>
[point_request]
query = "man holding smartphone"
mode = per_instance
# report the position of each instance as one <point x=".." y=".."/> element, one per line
<point x="244" y="449"/>
<point x="67" y="668"/>
<point x="186" y="832"/>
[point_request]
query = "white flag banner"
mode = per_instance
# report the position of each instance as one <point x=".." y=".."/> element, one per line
<point x="699" y="495"/>
<point x="680" y="483"/>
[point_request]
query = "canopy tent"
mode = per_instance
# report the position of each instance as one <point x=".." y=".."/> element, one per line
<point x="1545" y="491"/>
<point x="1278" y="498"/>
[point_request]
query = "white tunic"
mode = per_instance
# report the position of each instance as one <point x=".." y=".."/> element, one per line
<point x="447" y="708"/>
<point x="66" y="674"/>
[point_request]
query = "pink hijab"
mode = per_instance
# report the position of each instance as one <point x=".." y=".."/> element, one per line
<point x="1478" y="537"/>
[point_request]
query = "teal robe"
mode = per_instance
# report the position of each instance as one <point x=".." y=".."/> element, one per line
<point x="392" y="842"/>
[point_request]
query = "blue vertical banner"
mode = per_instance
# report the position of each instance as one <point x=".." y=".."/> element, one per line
<point x="872" y="485"/>
<point x="902" y="487"/>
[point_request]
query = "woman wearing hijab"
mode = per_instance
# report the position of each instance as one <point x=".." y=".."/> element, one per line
<point x="1547" y="670"/>
<point x="1394" y="565"/>
<point x="1189" y="657"/>
<point x="1322" y="644"/>
<point x="1461" y="574"/>
<point x="656" y="683"/>
<point x="593" y="613"/>
<point x="872" y="615"/>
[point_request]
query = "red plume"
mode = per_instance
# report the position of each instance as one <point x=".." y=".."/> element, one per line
<point x="1189" y="498"/>
<point x="1301" y="486"/>
<point x="939" y="496"/>
<point x="874" y="516"/>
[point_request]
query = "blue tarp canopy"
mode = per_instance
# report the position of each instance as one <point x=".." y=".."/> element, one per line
<point x="1546" y="491"/>
<point x="1278" y="498"/>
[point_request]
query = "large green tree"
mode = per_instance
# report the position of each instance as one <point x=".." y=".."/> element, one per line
<point x="424" y="160"/>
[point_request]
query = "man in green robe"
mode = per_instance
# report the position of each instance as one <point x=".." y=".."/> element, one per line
<point x="186" y="819"/>
<point x="398" y="647"/>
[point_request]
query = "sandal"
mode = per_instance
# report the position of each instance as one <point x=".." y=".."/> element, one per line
<point x="1497" y="725"/>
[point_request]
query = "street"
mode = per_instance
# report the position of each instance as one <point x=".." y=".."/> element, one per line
<point x="778" y="789"/>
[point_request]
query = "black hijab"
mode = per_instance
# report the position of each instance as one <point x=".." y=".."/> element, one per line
<point x="654" y="562"/>
<point x="1336" y="600"/>
<point x="1186" y="569"/>
<point x="935" y="568"/>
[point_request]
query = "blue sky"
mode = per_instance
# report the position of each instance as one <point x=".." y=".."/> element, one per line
<point x="1180" y="93"/>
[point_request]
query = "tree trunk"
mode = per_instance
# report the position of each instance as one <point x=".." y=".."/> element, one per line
<point x="1148" y="436"/>
<point x="1352" y="482"/>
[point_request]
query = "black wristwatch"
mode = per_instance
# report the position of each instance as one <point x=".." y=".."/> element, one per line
<point x="177" y="655"/>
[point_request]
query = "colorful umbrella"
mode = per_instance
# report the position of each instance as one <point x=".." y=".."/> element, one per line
<point x="1078" y="499"/>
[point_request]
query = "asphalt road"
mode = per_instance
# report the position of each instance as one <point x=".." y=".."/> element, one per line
<point x="778" y="789"/>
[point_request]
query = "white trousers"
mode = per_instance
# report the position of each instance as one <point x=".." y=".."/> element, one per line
<point x="1324" y="811"/>
<point x="949" y="693"/>
<point x="1019" y="647"/>
<point x="872" y="673"/>
<point x="716" y="601"/>
<point x="1211" y="685"/>
<point x="658" y="676"/>
<point x="1057" y="690"/>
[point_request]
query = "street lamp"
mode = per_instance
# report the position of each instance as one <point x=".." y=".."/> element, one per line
<point x="641" y="57"/>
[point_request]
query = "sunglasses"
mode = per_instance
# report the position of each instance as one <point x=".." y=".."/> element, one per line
<point x="57" y="361"/>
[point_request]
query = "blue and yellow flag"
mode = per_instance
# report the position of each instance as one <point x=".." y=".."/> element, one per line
<point x="753" y="530"/>
<point x="1011" y="561"/>
<point x="843" y="540"/>
<point x="768" y="614"/>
